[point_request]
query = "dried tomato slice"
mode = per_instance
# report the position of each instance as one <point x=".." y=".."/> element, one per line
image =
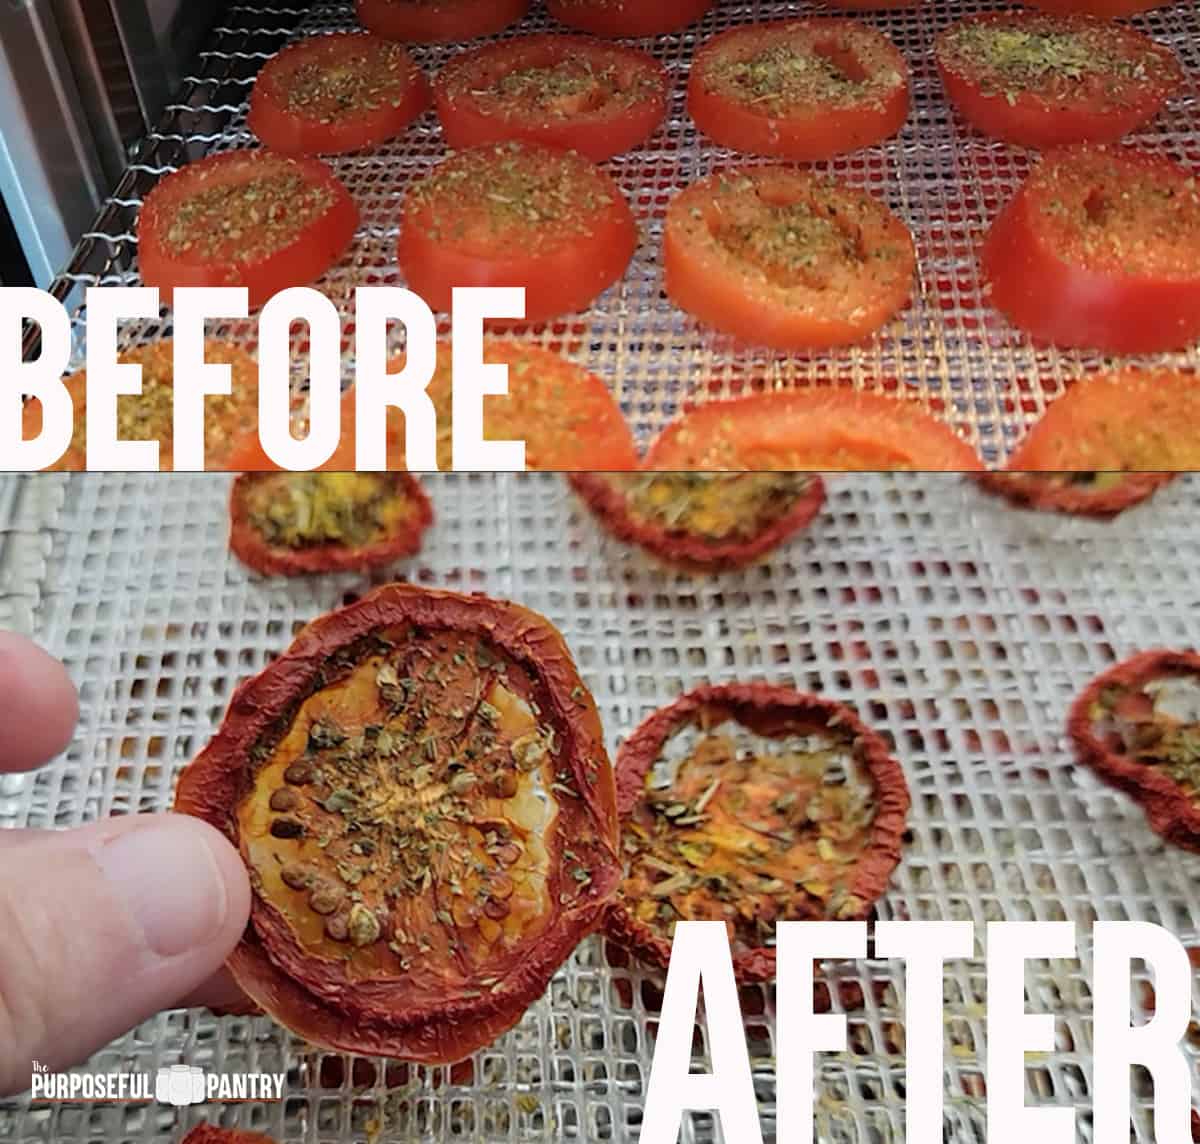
<point x="420" y="790"/>
<point x="439" y="21"/>
<point x="752" y="804"/>
<point x="1082" y="493"/>
<point x="628" y="17"/>
<point x="292" y="524"/>
<point x="212" y="1134"/>
<point x="801" y="89"/>
<point x="705" y="522"/>
<point x="149" y="416"/>
<point x="1138" y="727"/>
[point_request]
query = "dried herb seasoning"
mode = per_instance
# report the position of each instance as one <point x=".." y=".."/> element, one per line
<point x="1080" y="493"/>
<point x="404" y="784"/>
<point x="752" y="804"/>
<point x="703" y="521"/>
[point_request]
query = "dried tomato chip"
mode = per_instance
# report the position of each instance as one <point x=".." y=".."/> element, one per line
<point x="752" y="804"/>
<point x="211" y="1134"/>
<point x="420" y="791"/>
<point x="1138" y="727"/>
<point x="292" y="524"/>
<point x="1082" y="493"/>
<point x="704" y="522"/>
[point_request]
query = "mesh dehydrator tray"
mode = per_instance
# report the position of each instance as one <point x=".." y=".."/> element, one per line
<point x="957" y="626"/>
<point x="949" y="350"/>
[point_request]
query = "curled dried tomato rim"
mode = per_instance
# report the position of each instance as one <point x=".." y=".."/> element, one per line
<point x="769" y="711"/>
<point x="211" y="1134"/>
<point x="1025" y="490"/>
<point x="268" y="964"/>
<point x="689" y="552"/>
<point x="252" y="549"/>
<point x="1169" y="810"/>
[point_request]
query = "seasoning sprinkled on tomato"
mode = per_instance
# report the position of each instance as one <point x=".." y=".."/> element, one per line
<point x="629" y="17"/>
<point x="802" y="89"/>
<point x="704" y="522"/>
<point x="787" y="259"/>
<point x="420" y="791"/>
<point x="1043" y="81"/>
<point x="438" y="21"/>
<point x="564" y="91"/>
<point x="1081" y="493"/>
<point x="337" y="93"/>
<point x="1100" y="249"/>
<point x="517" y="214"/>
<point x="752" y="805"/>
<point x="245" y="218"/>
<point x="824" y="430"/>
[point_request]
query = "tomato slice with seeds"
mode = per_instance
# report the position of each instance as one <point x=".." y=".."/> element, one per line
<point x="827" y="430"/>
<point x="752" y="805"/>
<point x="294" y="524"/>
<point x="1081" y="493"/>
<point x="245" y="218"/>
<point x="420" y="790"/>
<point x="801" y="89"/>
<point x="337" y="93"/>
<point x="150" y="415"/>
<point x="703" y="522"/>
<point x="616" y="18"/>
<point x="786" y="259"/>
<point x="1143" y="421"/>
<point x="563" y="91"/>
<point x="517" y="214"/>
<point x="1100" y="249"/>
<point x="1039" y="80"/>
<point x="439" y="21"/>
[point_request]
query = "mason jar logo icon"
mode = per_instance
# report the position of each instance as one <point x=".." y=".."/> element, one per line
<point x="180" y="1085"/>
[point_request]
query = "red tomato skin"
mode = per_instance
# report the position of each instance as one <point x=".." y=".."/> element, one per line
<point x="631" y="18"/>
<point x="447" y="22"/>
<point x="301" y="262"/>
<point x="465" y="125"/>
<point x="1104" y="9"/>
<point x="291" y="134"/>
<point x="1072" y="307"/>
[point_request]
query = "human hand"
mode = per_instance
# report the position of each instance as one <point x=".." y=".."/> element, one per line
<point x="105" y="925"/>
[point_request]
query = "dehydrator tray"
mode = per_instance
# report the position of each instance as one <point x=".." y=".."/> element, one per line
<point x="958" y="627"/>
<point x="949" y="349"/>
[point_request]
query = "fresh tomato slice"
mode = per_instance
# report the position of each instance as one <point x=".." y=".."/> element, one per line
<point x="825" y="430"/>
<point x="295" y="524"/>
<point x="1100" y="249"/>
<point x="1105" y="9"/>
<point x="629" y="17"/>
<point x="438" y="21"/>
<point x="802" y="89"/>
<point x="245" y="218"/>
<point x="1040" y="80"/>
<point x="564" y="91"/>
<point x="1081" y="493"/>
<point x="517" y="214"/>
<point x="332" y="94"/>
<point x="1131" y="421"/>
<point x="149" y="416"/>
<point x="786" y="259"/>
<point x="420" y="790"/>
<point x="703" y="522"/>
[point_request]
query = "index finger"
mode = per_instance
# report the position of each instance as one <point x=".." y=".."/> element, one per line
<point x="38" y="705"/>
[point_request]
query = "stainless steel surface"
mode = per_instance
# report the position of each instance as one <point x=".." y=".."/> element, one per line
<point x="960" y="628"/>
<point x="949" y="349"/>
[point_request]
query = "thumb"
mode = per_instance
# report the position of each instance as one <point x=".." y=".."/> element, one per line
<point x="102" y="927"/>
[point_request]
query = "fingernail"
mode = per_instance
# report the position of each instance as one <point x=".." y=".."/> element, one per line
<point x="166" y="875"/>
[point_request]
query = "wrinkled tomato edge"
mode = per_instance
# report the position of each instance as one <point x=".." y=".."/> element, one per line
<point x="767" y="710"/>
<point x="211" y="1134"/>
<point x="1026" y="491"/>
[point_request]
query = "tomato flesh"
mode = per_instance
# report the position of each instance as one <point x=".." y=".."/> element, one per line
<point x="629" y="17"/>
<point x="438" y="21"/>
<point x="517" y="214"/>
<point x="334" y="94"/>
<point x="1043" y="81"/>
<point x="786" y="259"/>
<point x="254" y="219"/>
<point x="1100" y="249"/>
<point x="1105" y="9"/>
<point x="804" y="90"/>
<point x="563" y="91"/>
<point x="828" y="430"/>
<point x="1081" y="493"/>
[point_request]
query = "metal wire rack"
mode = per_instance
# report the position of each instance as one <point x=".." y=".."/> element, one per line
<point x="949" y="349"/>
<point x="957" y="626"/>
